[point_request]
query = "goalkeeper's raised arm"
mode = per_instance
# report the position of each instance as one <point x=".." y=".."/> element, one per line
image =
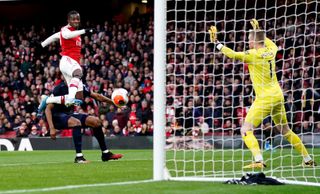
<point x="224" y="49"/>
<point x="257" y="40"/>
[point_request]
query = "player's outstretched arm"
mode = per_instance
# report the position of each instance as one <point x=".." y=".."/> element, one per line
<point x="68" y="34"/>
<point x="233" y="54"/>
<point x="224" y="49"/>
<point x="48" y="113"/>
<point x="49" y="40"/>
<point x="100" y="97"/>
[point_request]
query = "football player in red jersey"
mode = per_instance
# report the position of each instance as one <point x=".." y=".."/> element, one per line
<point x="70" y="41"/>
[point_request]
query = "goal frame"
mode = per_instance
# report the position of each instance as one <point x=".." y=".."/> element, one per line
<point x="160" y="171"/>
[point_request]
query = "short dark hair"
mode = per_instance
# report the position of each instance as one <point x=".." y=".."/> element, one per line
<point x="73" y="12"/>
<point x="259" y="35"/>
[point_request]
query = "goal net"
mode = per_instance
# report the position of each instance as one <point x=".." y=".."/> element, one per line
<point x="208" y="95"/>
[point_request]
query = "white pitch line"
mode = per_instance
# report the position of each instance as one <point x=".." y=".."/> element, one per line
<point x="27" y="164"/>
<point x="74" y="187"/>
<point x="61" y="162"/>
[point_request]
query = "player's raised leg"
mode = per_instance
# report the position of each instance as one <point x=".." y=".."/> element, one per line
<point x="42" y="105"/>
<point x="70" y="41"/>
<point x="72" y="74"/>
<point x="280" y="119"/>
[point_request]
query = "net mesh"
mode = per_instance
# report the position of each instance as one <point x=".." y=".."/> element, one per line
<point x="209" y="95"/>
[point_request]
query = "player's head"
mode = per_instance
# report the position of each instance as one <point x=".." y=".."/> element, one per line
<point x="74" y="19"/>
<point x="256" y="38"/>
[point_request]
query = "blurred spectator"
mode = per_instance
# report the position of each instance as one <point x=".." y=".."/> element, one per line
<point x="144" y="113"/>
<point x="116" y="131"/>
<point x="106" y="128"/>
<point x="44" y="132"/>
<point x="317" y="127"/>
<point x="122" y="117"/>
<point x="127" y="128"/>
<point x="34" y="132"/>
<point x="147" y="87"/>
<point x="202" y="125"/>
<point x="133" y="114"/>
<point x="228" y="127"/>
<point x="2" y="127"/>
<point x="111" y="113"/>
<point x="103" y="108"/>
<point x="306" y="127"/>
<point x="22" y="130"/>
<point x="150" y="127"/>
<point x="137" y="127"/>
<point x="144" y="130"/>
<point x="131" y="131"/>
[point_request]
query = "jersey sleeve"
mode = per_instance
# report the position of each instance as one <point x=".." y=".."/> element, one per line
<point x="242" y="56"/>
<point x="68" y="34"/>
<point x="271" y="45"/>
<point x="51" y="39"/>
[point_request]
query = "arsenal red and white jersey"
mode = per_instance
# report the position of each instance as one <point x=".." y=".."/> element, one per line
<point x="70" y="47"/>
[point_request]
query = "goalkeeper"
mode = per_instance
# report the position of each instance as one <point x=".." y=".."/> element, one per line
<point x="269" y="98"/>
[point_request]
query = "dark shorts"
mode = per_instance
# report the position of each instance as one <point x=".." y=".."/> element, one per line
<point x="60" y="120"/>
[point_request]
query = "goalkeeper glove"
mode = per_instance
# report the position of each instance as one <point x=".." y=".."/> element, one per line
<point x="213" y="34"/>
<point x="90" y="30"/>
<point x="254" y="23"/>
<point x="213" y="37"/>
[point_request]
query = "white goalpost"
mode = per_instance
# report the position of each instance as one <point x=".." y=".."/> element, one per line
<point x="159" y="92"/>
<point x="201" y="97"/>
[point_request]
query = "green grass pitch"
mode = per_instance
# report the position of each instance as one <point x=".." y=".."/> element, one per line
<point x="54" y="172"/>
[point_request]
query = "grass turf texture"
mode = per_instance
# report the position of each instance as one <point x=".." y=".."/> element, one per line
<point x="45" y="169"/>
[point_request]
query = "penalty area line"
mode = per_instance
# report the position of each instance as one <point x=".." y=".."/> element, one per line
<point x="75" y="187"/>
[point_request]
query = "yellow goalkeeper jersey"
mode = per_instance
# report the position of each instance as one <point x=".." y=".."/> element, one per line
<point x="261" y="64"/>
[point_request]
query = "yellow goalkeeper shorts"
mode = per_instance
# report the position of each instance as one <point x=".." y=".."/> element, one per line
<point x="263" y="107"/>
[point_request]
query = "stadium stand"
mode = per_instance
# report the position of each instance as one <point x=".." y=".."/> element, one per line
<point x="118" y="55"/>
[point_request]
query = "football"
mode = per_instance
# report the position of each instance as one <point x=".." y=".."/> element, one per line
<point x="120" y="97"/>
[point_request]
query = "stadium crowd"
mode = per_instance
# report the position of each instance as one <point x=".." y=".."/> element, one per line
<point x="118" y="55"/>
<point x="205" y="92"/>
